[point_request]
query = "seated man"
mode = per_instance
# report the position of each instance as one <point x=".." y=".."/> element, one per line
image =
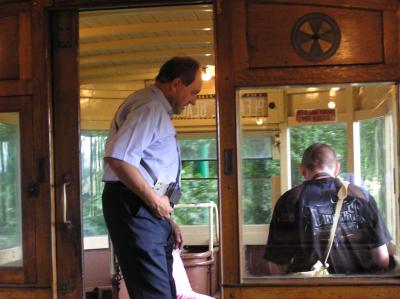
<point x="303" y="217"/>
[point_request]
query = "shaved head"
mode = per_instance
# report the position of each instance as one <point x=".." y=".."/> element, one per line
<point x="319" y="155"/>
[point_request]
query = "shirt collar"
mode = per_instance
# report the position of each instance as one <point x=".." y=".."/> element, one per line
<point x="164" y="102"/>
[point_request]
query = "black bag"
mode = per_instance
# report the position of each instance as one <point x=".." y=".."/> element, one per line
<point x="174" y="193"/>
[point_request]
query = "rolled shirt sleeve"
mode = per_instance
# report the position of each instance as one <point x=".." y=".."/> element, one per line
<point x="136" y="133"/>
<point x="142" y="129"/>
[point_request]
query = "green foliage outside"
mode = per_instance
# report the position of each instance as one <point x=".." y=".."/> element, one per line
<point x="257" y="169"/>
<point x="373" y="157"/>
<point x="10" y="213"/>
<point x="303" y="136"/>
<point x="199" y="179"/>
<point x="199" y="173"/>
<point x="200" y="176"/>
<point x="92" y="152"/>
<point x="257" y="192"/>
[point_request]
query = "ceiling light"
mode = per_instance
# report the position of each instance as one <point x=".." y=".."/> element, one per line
<point x="208" y="72"/>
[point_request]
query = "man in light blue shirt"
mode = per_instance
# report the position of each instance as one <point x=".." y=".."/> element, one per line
<point x="142" y="151"/>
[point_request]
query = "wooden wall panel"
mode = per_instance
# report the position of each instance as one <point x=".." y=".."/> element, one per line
<point x="269" y="28"/>
<point x="263" y="54"/>
<point x="10" y="293"/>
<point x="9" y="62"/>
<point x="253" y="47"/>
<point x="317" y="292"/>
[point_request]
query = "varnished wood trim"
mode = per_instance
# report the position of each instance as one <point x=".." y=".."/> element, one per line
<point x="317" y="75"/>
<point x="42" y="143"/>
<point x="239" y="37"/>
<point x="365" y="4"/>
<point x="317" y="292"/>
<point x="25" y="292"/>
<point x="390" y="32"/>
<point x="25" y="50"/>
<point x="26" y="273"/>
<point x="108" y="3"/>
<point x="15" y="87"/>
<point x="329" y="281"/>
<point x="66" y="159"/>
<point x="11" y="9"/>
<point x="226" y="120"/>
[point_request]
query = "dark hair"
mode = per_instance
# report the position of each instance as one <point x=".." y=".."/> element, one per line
<point x="178" y="67"/>
<point x="318" y="155"/>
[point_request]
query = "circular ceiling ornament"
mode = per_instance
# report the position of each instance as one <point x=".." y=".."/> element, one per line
<point x="315" y="36"/>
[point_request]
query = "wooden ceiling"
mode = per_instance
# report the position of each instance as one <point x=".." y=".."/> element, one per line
<point x="129" y="45"/>
<point x="121" y="51"/>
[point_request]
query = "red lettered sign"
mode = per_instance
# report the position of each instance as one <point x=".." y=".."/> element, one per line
<point x="315" y="115"/>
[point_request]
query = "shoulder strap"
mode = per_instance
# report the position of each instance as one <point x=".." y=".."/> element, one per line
<point x="342" y="194"/>
<point x="149" y="171"/>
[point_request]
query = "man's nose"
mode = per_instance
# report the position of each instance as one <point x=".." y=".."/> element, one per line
<point x="193" y="100"/>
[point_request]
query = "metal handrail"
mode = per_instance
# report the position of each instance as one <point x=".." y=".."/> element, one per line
<point x="211" y="208"/>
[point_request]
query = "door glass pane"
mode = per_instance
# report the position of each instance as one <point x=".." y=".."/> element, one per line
<point x="10" y="194"/>
<point x="92" y="151"/>
<point x="276" y="125"/>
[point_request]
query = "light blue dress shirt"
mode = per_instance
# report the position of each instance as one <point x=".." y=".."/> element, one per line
<point x="142" y="128"/>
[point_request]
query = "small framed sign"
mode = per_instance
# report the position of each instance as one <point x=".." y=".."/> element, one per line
<point x="315" y="115"/>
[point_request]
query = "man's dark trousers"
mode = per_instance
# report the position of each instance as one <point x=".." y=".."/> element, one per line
<point x="143" y="244"/>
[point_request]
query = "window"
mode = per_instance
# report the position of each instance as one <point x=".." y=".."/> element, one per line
<point x="10" y="194"/>
<point x="276" y="125"/>
<point x="199" y="180"/>
<point x="259" y="172"/>
<point x="92" y="152"/>
<point x="199" y="176"/>
<point x="376" y="173"/>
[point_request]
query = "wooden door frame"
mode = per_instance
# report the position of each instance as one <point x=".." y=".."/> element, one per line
<point x="65" y="72"/>
<point x="29" y="92"/>
<point x="64" y="21"/>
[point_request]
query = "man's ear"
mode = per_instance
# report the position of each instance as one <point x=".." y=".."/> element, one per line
<point x="337" y="169"/>
<point x="175" y="84"/>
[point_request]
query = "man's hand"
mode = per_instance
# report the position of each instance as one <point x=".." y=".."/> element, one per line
<point x="177" y="235"/>
<point x="134" y="180"/>
<point x="160" y="207"/>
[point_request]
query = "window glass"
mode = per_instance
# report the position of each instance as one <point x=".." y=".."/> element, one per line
<point x="92" y="152"/>
<point x="258" y="172"/>
<point x="199" y="177"/>
<point x="10" y="192"/>
<point x="376" y="163"/>
<point x="301" y="137"/>
<point x="291" y="229"/>
<point x="199" y="180"/>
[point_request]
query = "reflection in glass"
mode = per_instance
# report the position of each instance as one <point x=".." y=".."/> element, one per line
<point x="276" y="125"/>
<point x="10" y="194"/>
